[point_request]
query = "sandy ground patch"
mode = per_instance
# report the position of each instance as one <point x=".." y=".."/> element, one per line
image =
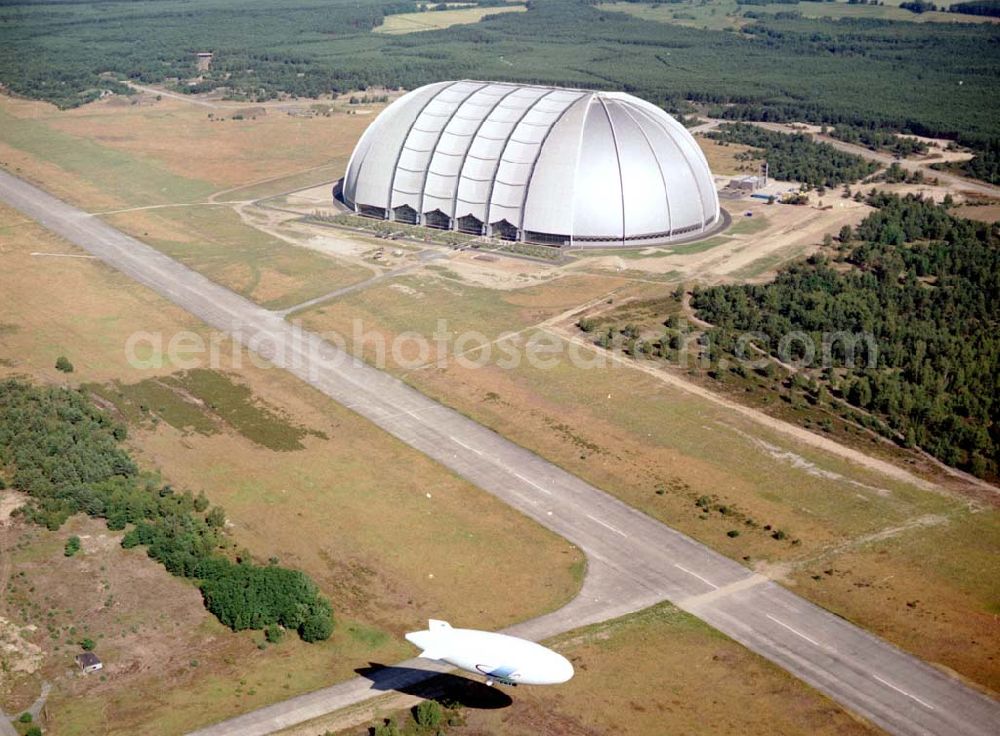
<point x="501" y="272"/>
<point x="789" y="231"/>
<point x="984" y="213"/>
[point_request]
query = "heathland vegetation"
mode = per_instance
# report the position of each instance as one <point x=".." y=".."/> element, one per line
<point x="923" y="285"/>
<point x="65" y="453"/>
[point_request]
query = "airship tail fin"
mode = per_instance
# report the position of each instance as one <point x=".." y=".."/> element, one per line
<point x="427" y="640"/>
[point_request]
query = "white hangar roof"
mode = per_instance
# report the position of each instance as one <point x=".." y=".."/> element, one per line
<point x="559" y="165"/>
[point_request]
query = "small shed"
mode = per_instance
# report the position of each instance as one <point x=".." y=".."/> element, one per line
<point x="89" y="662"/>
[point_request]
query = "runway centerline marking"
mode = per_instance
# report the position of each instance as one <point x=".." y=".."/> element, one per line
<point x="696" y="575"/>
<point x="467" y="447"/>
<point x="900" y="690"/>
<point x="794" y="631"/>
<point x="63" y="255"/>
<point x="607" y="526"/>
<point x="532" y="483"/>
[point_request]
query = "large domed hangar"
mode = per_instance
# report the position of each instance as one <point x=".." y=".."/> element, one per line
<point x="562" y="167"/>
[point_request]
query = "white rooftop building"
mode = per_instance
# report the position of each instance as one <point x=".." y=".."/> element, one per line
<point x="536" y="164"/>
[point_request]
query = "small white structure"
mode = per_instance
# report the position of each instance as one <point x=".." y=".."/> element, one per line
<point x="89" y="662"/>
<point x="501" y="658"/>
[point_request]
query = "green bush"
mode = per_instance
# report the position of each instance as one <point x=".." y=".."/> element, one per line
<point x="63" y="364"/>
<point x="428" y="714"/>
<point x="87" y="645"/>
<point x="72" y="546"/>
<point x="387" y="728"/>
<point x="274" y="633"/>
<point x="25" y="717"/>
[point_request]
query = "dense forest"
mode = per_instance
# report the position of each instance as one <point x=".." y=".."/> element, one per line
<point x="926" y="286"/>
<point x="797" y="157"/>
<point x="66" y="454"/>
<point x="865" y="72"/>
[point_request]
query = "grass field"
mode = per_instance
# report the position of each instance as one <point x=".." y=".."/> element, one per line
<point x="391" y="543"/>
<point x="661" y="450"/>
<point x="672" y="674"/>
<point x="722" y="157"/>
<point x="718" y="15"/>
<point x="889" y="11"/>
<point x="215" y="241"/>
<point x="142" y="158"/>
<point x="113" y="154"/>
<point x="120" y="177"/>
<point x="417" y="303"/>
<point x="437" y="19"/>
<point x="749" y="225"/>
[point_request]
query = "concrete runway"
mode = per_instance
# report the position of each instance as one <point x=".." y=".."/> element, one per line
<point x="633" y="560"/>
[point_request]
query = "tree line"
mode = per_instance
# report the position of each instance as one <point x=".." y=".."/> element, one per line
<point x="879" y="140"/>
<point x="797" y="157"/>
<point x="66" y="454"/>
<point x="978" y="7"/>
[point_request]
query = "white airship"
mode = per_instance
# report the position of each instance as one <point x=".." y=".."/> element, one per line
<point x="501" y="658"/>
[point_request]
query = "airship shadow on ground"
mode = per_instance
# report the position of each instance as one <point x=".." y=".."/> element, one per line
<point x="444" y="688"/>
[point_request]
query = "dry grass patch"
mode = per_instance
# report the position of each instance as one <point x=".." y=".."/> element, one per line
<point x="982" y="212"/>
<point x="427" y="304"/>
<point x="660" y="671"/>
<point x="215" y="241"/>
<point x="390" y="536"/>
<point x="169" y="665"/>
<point x="706" y="472"/>
<point x="438" y="19"/>
<point x="663" y="671"/>
<point x="186" y="142"/>
<point x="722" y="157"/>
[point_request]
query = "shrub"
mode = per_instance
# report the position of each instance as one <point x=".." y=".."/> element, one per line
<point x="274" y="633"/>
<point x="387" y="728"/>
<point x="33" y="731"/>
<point x="733" y="533"/>
<point x="428" y="714"/>
<point x="25" y="717"/>
<point x="87" y="644"/>
<point x="318" y="626"/>
<point x="63" y="364"/>
<point x="72" y="546"/>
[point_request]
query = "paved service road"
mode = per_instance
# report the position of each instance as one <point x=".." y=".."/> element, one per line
<point x="634" y="560"/>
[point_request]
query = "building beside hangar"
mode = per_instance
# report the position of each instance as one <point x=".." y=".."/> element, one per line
<point x="562" y="167"/>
